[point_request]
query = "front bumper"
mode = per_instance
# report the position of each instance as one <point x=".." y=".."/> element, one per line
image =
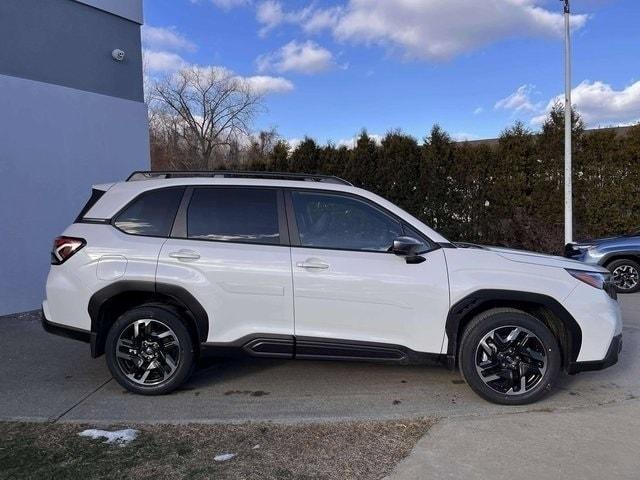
<point x="611" y="358"/>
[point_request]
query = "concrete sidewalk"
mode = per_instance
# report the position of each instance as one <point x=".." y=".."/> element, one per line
<point x="587" y="443"/>
<point x="574" y="440"/>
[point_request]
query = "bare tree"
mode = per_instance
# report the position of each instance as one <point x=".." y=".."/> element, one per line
<point x="200" y="112"/>
<point x="261" y="145"/>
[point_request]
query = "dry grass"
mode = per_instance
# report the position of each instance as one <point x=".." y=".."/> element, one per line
<point x="358" y="450"/>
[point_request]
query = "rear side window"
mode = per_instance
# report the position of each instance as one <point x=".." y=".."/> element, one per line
<point x="151" y="214"/>
<point x="95" y="196"/>
<point x="234" y="215"/>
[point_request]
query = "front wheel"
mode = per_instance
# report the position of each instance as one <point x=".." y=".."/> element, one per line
<point x="509" y="357"/>
<point x="149" y="350"/>
<point x="625" y="274"/>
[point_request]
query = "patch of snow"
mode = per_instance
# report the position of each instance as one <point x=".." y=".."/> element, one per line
<point x="120" y="437"/>
<point x="224" y="457"/>
<point x="255" y="447"/>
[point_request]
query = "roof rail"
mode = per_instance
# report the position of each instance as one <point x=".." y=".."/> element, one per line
<point x="305" y="177"/>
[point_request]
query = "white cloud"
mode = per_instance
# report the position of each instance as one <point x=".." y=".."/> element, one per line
<point x="425" y="29"/>
<point x="294" y="143"/>
<point x="307" y="57"/>
<point x="163" y="38"/>
<point x="158" y="63"/>
<point x="263" y="84"/>
<point x="319" y="20"/>
<point x="229" y="4"/>
<point x="478" y="111"/>
<point x="464" y="137"/>
<point x="351" y="143"/>
<point x="518" y="101"/>
<point x="600" y="104"/>
<point x="162" y="62"/>
<point x="271" y="14"/>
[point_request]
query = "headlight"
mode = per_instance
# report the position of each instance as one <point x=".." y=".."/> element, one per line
<point x="595" y="279"/>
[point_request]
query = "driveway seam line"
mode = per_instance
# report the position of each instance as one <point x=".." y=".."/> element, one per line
<point x="81" y="400"/>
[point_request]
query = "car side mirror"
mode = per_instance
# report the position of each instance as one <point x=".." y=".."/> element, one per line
<point x="410" y="248"/>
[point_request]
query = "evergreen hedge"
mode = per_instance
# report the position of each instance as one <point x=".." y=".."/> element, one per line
<point x="509" y="193"/>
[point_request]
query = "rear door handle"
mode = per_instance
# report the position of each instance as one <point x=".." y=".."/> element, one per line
<point x="185" y="255"/>
<point x="313" y="265"/>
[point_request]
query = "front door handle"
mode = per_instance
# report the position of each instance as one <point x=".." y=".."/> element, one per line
<point x="185" y="255"/>
<point x="313" y="265"/>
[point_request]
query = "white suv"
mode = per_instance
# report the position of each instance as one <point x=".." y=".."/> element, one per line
<point x="167" y="266"/>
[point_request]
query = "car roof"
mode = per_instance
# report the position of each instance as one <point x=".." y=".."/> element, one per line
<point x="121" y="193"/>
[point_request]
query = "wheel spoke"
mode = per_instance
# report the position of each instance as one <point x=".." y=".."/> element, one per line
<point x="512" y="335"/>
<point x="145" y="374"/>
<point x="487" y="349"/>
<point x="125" y="343"/>
<point x="170" y="362"/>
<point x="125" y="356"/>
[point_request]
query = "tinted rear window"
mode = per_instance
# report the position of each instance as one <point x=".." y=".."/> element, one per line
<point x="95" y="196"/>
<point x="151" y="214"/>
<point x="234" y="215"/>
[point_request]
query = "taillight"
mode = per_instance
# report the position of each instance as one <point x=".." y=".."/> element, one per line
<point x="64" y="248"/>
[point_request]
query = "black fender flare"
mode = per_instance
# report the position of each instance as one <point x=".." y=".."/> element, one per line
<point x="479" y="300"/>
<point x="179" y="295"/>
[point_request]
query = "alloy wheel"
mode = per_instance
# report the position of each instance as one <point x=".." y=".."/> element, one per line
<point x="511" y="360"/>
<point x="148" y="352"/>
<point x="626" y="277"/>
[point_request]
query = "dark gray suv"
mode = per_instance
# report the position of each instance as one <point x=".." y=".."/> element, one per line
<point x="621" y="255"/>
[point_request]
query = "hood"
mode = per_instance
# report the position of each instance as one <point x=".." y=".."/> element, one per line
<point x="525" y="256"/>
<point x="599" y="241"/>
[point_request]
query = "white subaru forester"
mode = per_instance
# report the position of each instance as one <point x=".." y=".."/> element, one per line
<point x="168" y="266"/>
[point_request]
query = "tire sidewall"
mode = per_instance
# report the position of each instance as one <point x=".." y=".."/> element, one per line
<point x="618" y="263"/>
<point x="172" y="320"/>
<point x="477" y="330"/>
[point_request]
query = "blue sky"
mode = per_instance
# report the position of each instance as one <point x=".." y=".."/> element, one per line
<point x="330" y="68"/>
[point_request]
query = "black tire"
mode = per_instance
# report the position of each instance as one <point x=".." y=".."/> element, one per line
<point x="168" y="367"/>
<point x="541" y="348"/>
<point x="626" y="275"/>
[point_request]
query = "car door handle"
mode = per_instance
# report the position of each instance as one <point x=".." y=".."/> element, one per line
<point x="312" y="265"/>
<point x="185" y="255"/>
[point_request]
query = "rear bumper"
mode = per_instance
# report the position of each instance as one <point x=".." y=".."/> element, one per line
<point x="611" y="358"/>
<point x="64" y="330"/>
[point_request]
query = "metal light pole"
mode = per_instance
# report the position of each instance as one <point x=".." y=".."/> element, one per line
<point x="568" y="196"/>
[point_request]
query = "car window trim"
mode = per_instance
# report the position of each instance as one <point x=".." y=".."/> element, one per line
<point x="293" y="224"/>
<point x="180" y="229"/>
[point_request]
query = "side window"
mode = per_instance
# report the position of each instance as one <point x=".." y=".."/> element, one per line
<point x="234" y="215"/>
<point x="336" y="221"/>
<point x="151" y="214"/>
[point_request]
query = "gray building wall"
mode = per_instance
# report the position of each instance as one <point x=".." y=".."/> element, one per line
<point x="69" y="43"/>
<point x="70" y="116"/>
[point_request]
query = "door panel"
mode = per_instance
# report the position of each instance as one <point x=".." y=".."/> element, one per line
<point x="371" y="296"/>
<point x="244" y="288"/>
<point x="233" y="256"/>
<point x="347" y="286"/>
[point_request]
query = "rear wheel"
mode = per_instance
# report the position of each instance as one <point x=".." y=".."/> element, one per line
<point x="510" y="357"/>
<point x="625" y="274"/>
<point x="149" y="350"/>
